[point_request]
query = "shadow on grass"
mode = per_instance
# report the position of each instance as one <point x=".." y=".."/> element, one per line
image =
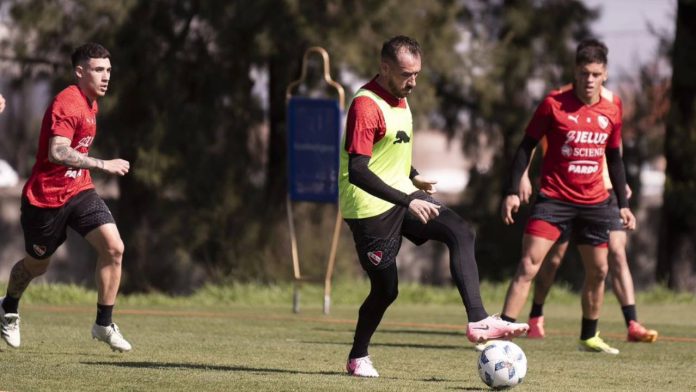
<point x="400" y="345"/>
<point x="423" y="332"/>
<point x="397" y="331"/>
<point x="198" y="366"/>
<point x="232" y="368"/>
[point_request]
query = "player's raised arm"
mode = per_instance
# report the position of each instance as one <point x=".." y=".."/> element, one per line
<point x="60" y="152"/>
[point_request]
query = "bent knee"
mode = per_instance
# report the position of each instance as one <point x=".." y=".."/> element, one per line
<point x="598" y="274"/>
<point x="391" y="296"/>
<point x="527" y="269"/>
<point x="113" y="251"/>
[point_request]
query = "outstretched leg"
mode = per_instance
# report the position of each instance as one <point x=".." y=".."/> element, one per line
<point x="457" y="234"/>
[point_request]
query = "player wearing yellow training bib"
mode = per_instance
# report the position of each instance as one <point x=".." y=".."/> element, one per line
<point x="382" y="199"/>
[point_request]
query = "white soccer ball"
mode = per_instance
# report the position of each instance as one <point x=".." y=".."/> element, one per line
<point x="502" y="364"/>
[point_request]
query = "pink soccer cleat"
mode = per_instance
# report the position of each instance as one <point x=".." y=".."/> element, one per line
<point x="361" y="367"/>
<point x="638" y="333"/>
<point x="493" y="327"/>
<point x="536" y="328"/>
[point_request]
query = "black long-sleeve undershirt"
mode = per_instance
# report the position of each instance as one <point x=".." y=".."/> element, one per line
<point x="519" y="165"/>
<point x="617" y="175"/>
<point x="360" y="175"/>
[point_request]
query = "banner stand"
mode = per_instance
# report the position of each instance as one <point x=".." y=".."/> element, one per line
<point x="308" y="120"/>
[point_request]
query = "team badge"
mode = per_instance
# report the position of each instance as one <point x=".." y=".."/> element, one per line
<point x="375" y="257"/>
<point x="40" y="250"/>
<point x="603" y="121"/>
<point x="566" y="150"/>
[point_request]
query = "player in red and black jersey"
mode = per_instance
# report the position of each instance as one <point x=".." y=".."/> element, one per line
<point x="621" y="279"/>
<point x="582" y="129"/>
<point x="60" y="194"/>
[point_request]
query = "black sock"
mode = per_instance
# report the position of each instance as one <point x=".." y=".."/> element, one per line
<point x="537" y="310"/>
<point x="104" y="315"/>
<point x="508" y="319"/>
<point x="589" y="328"/>
<point x="10" y="304"/>
<point x="629" y="312"/>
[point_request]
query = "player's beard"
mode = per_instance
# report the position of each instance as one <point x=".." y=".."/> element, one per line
<point x="398" y="91"/>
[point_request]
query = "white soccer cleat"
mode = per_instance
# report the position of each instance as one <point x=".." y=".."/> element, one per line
<point x="361" y="367"/>
<point x="9" y="327"/>
<point x="111" y="336"/>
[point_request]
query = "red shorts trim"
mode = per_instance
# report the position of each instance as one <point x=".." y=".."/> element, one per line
<point x="543" y="229"/>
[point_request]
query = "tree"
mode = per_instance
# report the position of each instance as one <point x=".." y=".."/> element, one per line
<point x="677" y="243"/>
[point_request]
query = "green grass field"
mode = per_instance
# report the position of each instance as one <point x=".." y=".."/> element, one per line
<point x="246" y="338"/>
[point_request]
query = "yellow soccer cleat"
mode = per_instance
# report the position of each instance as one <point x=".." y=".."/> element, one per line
<point x="596" y="344"/>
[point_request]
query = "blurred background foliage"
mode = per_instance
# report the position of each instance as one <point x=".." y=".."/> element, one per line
<point x="205" y="201"/>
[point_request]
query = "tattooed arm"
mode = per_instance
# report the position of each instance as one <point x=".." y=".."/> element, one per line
<point x="60" y="152"/>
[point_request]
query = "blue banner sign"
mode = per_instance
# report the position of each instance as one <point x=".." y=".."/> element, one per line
<point x="314" y="136"/>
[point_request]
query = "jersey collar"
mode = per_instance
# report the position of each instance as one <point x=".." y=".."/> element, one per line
<point x="393" y="101"/>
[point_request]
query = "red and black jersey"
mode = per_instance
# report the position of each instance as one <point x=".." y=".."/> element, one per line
<point x="69" y="115"/>
<point x="577" y="135"/>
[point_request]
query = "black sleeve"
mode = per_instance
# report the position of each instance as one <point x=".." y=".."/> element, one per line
<point x="362" y="177"/>
<point x="413" y="173"/>
<point x="519" y="165"/>
<point x="617" y="175"/>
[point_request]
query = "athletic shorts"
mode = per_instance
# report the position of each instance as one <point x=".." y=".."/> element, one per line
<point x="378" y="238"/>
<point x="45" y="229"/>
<point x="590" y="223"/>
<point x="615" y="224"/>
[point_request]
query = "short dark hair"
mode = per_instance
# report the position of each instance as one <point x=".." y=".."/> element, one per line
<point x="590" y="51"/>
<point x="393" y="46"/>
<point x="88" y="51"/>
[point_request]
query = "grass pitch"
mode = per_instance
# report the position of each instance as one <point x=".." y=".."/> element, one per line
<point x="250" y="344"/>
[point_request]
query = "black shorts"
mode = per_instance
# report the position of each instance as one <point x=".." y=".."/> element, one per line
<point x="378" y="238"/>
<point x="615" y="223"/>
<point x="45" y="229"/>
<point x="590" y="223"/>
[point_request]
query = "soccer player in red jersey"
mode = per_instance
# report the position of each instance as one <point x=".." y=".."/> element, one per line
<point x="383" y="198"/>
<point x="60" y="194"/>
<point x="582" y="128"/>
<point x="622" y="281"/>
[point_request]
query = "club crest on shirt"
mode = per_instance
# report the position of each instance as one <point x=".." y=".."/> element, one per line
<point x="375" y="257"/>
<point x="40" y="250"/>
<point x="566" y="150"/>
<point x="603" y="121"/>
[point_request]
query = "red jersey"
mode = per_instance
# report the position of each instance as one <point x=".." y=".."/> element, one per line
<point x="69" y="115"/>
<point x="365" y="124"/>
<point x="577" y="136"/>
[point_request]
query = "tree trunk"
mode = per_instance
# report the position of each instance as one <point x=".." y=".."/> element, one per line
<point x="676" y="266"/>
